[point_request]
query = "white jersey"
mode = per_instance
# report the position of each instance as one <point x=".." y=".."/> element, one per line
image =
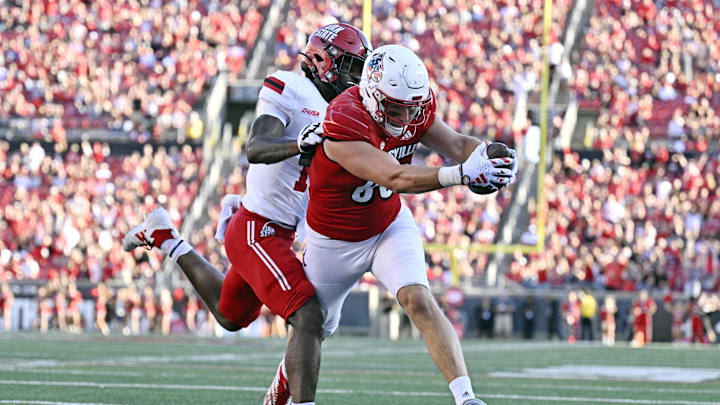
<point x="279" y="191"/>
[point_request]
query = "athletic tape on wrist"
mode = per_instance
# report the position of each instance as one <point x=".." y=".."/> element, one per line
<point x="450" y="176"/>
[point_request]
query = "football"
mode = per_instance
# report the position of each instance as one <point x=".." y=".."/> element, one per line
<point x="494" y="150"/>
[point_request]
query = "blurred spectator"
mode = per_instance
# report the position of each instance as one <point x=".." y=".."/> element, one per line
<point x="166" y="312"/>
<point x="485" y="318"/>
<point x="101" y="308"/>
<point x="643" y="309"/>
<point x="571" y="311"/>
<point x="191" y="312"/>
<point x="504" y="310"/>
<point x="150" y="309"/>
<point x="45" y="307"/>
<point x="529" y="312"/>
<point x="588" y="307"/>
<point x="552" y="313"/>
<point x="607" y="320"/>
<point x="701" y="330"/>
<point x="7" y="299"/>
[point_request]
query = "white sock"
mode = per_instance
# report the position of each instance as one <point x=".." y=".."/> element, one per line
<point x="461" y="389"/>
<point x="282" y="367"/>
<point x="174" y="248"/>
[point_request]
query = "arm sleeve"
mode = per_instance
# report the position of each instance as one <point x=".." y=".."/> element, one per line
<point x="265" y="107"/>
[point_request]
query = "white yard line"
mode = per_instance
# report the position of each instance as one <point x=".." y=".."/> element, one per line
<point x="25" y="370"/>
<point x="132" y="385"/>
<point x="566" y="387"/>
<point x="349" y="392"/>
<point x="24" y="401"/>
<point x="591" y="399"/>
<point x="606" y="389"/>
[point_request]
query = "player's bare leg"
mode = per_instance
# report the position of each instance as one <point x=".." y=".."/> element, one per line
<point x="102" y="325"/>
<point x="207" y="280"/>
<point x="441" y="340"/>
<point x="302" y="359"/>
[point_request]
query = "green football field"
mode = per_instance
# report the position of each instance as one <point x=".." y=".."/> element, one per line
<point x="61" y="369"/>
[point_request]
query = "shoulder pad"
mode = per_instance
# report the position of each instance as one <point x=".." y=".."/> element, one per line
<point x="279" y="90"/>
<point x="347" y="120"/>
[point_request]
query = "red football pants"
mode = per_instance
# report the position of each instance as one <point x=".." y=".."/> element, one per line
<point x="264" y="270"/>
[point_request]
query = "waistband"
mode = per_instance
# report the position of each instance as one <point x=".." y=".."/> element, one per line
<point x="269" y="227"/>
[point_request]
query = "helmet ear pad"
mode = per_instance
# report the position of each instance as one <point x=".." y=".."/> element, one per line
<point x="320" y="61"/>
<point x="310" y="68"/>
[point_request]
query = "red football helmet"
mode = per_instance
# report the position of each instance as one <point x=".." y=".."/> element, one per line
<point x="336" y="54"/>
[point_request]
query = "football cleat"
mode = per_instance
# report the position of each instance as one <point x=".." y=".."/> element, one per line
<point x="474" y="401"/>
<point x="279" y="391"/>
<point x="152" y="232"/>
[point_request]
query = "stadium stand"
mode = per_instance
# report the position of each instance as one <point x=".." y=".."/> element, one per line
<point x="626" y="216"/>
<point x="653" y="72"/>
<point x="64" y="210"/>
<point x="619" y="223"/>
<point x="496" y="43"/>
<point x="130" y="66"/>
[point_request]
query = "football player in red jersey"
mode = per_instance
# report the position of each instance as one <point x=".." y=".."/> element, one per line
<point x="260" y="230"/>
<point x="356" y="221"/>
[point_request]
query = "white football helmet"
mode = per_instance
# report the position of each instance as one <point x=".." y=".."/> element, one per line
<point x="395" y="89"/>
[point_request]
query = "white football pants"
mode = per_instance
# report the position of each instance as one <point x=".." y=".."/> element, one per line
<point x="395" y="257"/>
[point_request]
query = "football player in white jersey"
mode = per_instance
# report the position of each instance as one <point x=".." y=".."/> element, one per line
<point x="261" y="228"/>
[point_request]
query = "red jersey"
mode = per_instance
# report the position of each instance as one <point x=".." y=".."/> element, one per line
<point x="641" y="322"/>
<point x="607" y="316"/>
<point x="647" y="307"/>
<point x="343" y="206"/>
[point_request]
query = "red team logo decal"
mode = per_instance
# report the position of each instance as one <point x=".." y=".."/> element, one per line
<point x="375" y="67"/>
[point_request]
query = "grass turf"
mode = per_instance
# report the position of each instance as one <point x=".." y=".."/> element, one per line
<point x="58" y="369"/>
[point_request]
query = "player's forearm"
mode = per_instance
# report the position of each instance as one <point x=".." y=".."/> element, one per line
<point x="267" y="149"/>
<point x="413" y="179"/>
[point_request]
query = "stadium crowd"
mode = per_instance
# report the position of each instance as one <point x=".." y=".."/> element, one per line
<point x="652" y="69"/>
<point x="64" y="210"/>
<point x="136" y="66"/>
<point x="630" y="222"/>
<point x="637" y="218"/>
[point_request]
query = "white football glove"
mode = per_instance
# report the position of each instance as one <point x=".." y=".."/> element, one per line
<point x="310" y="136"/>
<point x="480" y="171"/>
<point x="231" y="203"/>
<point x="514" y="166"/>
